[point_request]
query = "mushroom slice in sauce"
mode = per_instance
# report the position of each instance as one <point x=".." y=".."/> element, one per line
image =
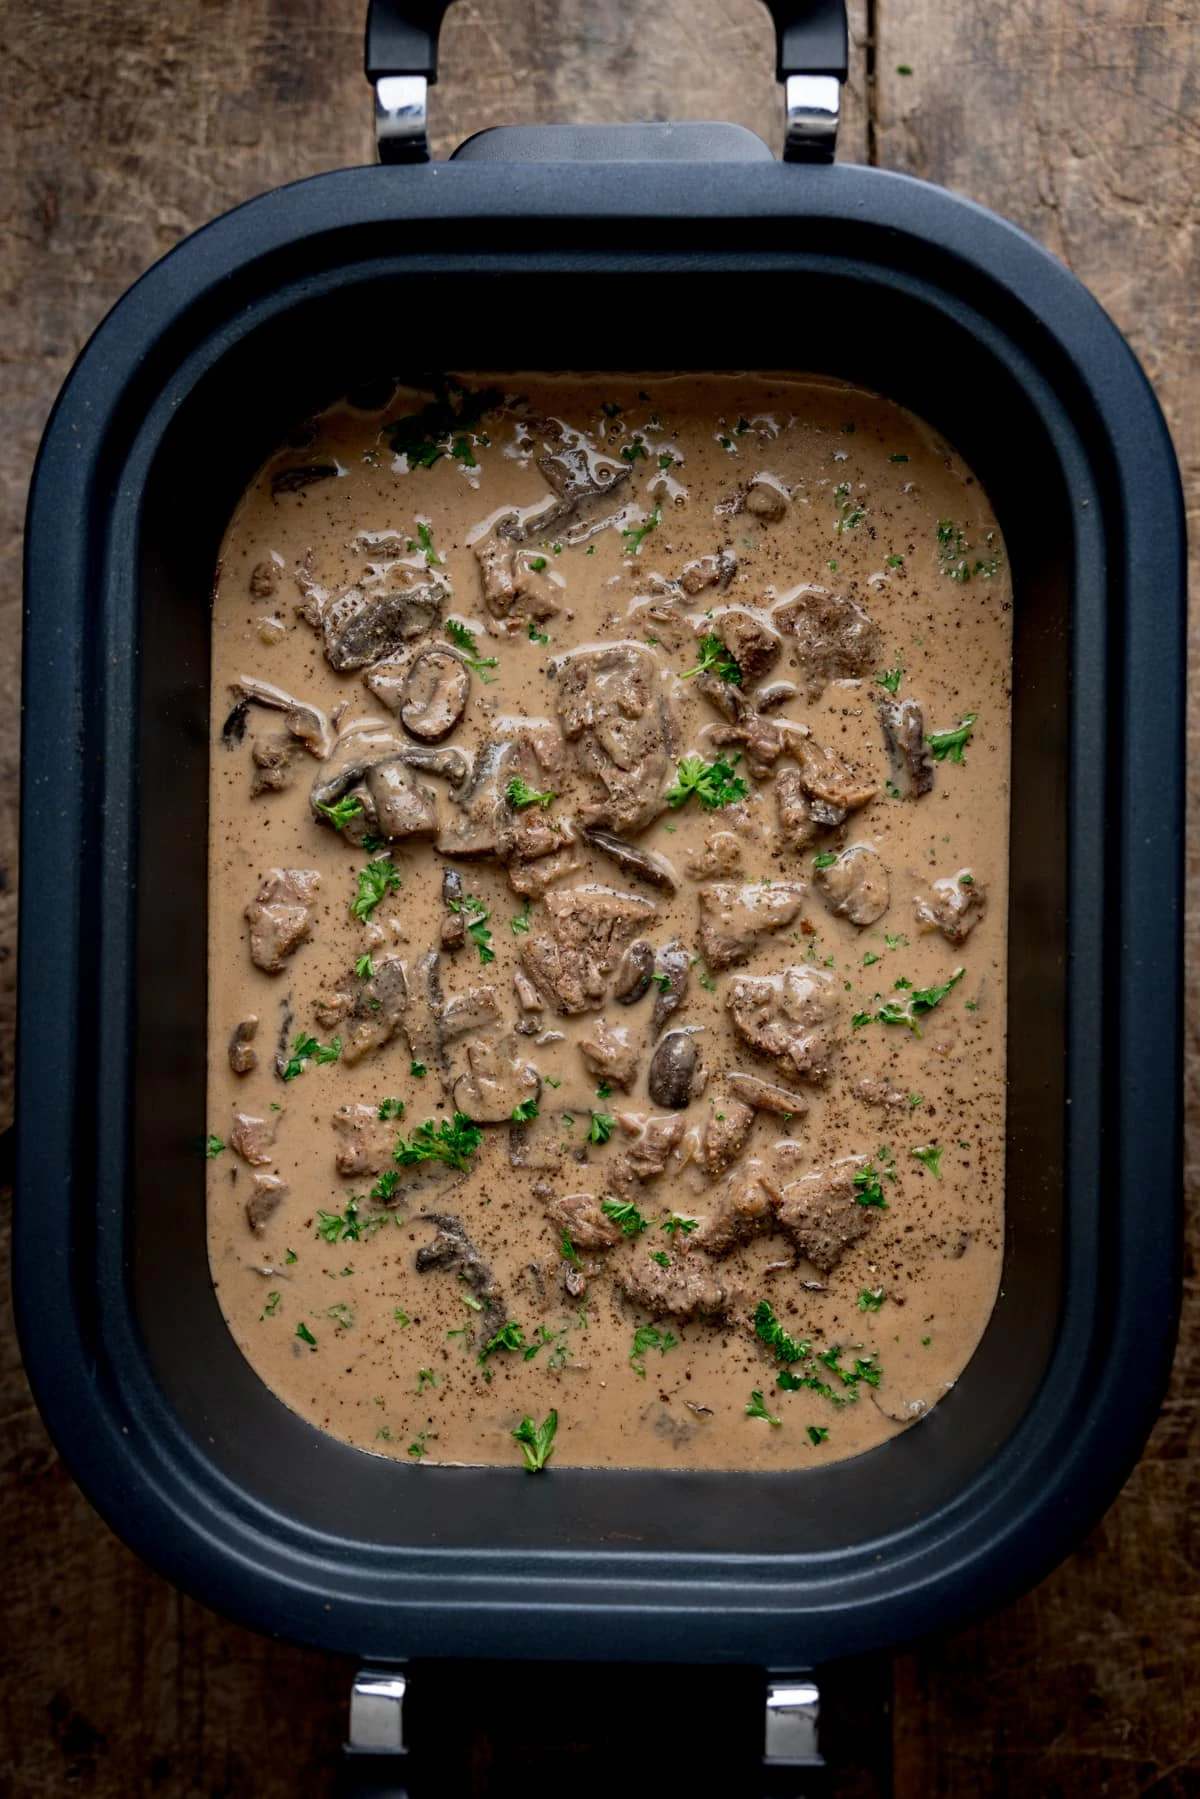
<point x="436" y="690"/>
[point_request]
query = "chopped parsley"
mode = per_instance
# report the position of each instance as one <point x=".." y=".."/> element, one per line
<point x="425" y="536"/>
<point x="948" y="746"/>
<point x="906" y="1012"/>
<point x="445" y="427"/>
<point x="453" y="1142"/>
<point x="416" y="1448"/>
<point x="536" y="636"/>
<point x="601" y="1127"/>
<point x="376" y="880"/>
<point x="338" y="1227"/>
<point x="632" y="535"/>
<point x="213" y="1146"/>
<point x="519" y="923"/>
<point x="511" y="1336"/>
<point x="384" y="1188"/>
<point x="769" y="1330"/>
<point x="305" y="1050"/>
<point x="895" y="942"/>
<point x="868" y="1190"/>
<point x="391" y="1108"/>
<point x="402" y="1318"/>
<point x="705" y="977"/>
<point x="646" y="1338"/>
<point x="850" y="514"/>
<point x="417" y="1070"/>
<point x="956" y="557"/>
<point x="272" y="1305"/>
<point x="474" y="909"/>
<point x="824" y="859"/>
<point x="715" y="659"/>
<point x="568" y="1250"/>
<point x="631" y="451"/>
<point x="291" y="1256"/>
<point x="817" y="1434"/>
<point x="342" y="811"/>
<point x="931" y="1155"/>
<point x="364" y="968"/>
<point x="537" y="1441"/>
<point x="891" y="679"/>
<point x="537" y="564"/>
<point x="677" y="1222"/>
<point x="518" y="793"/>
<point x="425" y="1378"/>
<point x="525" y="1113"/>
<point x="713" y="783"/>
<point x="465" y="641"/>
<point x="756" y="1409"/>
<point x="341" y="1314"/>
<point x="870" y="1299"/>
<point x="623" y="1212"/>
<point x="305" y="1335"/>
<point x="661" y="1257"/>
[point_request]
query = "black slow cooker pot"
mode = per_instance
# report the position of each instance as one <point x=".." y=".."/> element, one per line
<point x="622" y="248"/>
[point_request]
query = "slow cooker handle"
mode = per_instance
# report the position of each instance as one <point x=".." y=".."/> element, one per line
<point x="812" y="57"/>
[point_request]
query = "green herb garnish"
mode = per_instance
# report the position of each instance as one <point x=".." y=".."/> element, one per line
<point x="931" y="1155"/>
<point x="677" y="1223"/>
<point x="306" y="1336"/>
<point x="442" y="428"/>
<point x="623" y="1212"/>
<point x="948" y="746"/>
<point x="453" y="1142"/>
<point x="467" y="644"/>
<point x="525" y="1113"/>
<point x="519" y="793"/>
<point x="305" y="1050"/>
<point x="601" y="1127"/>
<point x="364" y="968"/>
<point x="213" y="1146"/>
<point x="391" y="1108"/>
<point x="376" y="880"/>
<point x="511" y="1337"/>
<point x="342" y="811"/>
<point x="272" y="1306"/>
<point x="569" y="1251"/>
<point x="867" y="1189"/>
<point x="520" y="922"/>
<point x="633" y="535"/>
<point x="769" y="1330"/>
<point x="870" y="1299"/>
<point x="824" y="859"/>
<point x="474" y="909"/>
<point x="646" y="1338"/>
<point x="817" y="1434"/>
<point x="713" y="783"/>
<point x="756" y="1408"/>
<point x="891" y="679"/>
<point x="537" y="1441"/>
<point x="715" y="659"/>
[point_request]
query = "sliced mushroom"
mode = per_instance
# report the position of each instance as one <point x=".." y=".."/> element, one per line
<point x="633" y="972"/>
<point x="435" y="696"/>
<point x="403" y="808"/>
<point x="676" y="1073"/>
<point x="449" y="763"/>
<point x="305" y="721"/>
<point x="765" y="1096"/>
<point x="642" y="865"/>
<point x="671" y="973"/>
<point x="454" y="924"/>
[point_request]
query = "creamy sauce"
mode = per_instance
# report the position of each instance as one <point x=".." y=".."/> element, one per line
<point x="824" y="535"/>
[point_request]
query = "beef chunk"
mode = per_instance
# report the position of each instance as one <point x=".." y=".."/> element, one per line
<point x="254" y="1138"/>
<point x="856" y="885"/>
<point x="765" y="1096"/>
<point x="280" y="916"/>
<point x="264" y="578"/>
<point x="268" y="1195"/>
<point x="538" y="1144"/>
<point x="513" y="591"/>
<point x="726" y="1133"/>
<point x="581" y="480"/>
<point x="403" y="808"/>
<point x="359" y="628"/>
<point x="655" y="1138"/>
<point x="377" y="1009"/>
<point x="612" y="711"/>
<point x="242" y="1058"/>
<point x="482" y="823"/>
<point x="272" y="759"/>
<point x="953" y="906"/>
<point x="832" y="785"/>
<point x="765" y="501"/>
<point x="741" y="1208"/>
<point x="498" y="1080"/>
<point x="821" y="1213"/>
<point x="721" y="855"/>
<point x="462" y="1013"/>
<point x="609" y="1055"/>
<point x="688" y="1287"/>
<point x="581" y="1216"/>
<point x="793" y="810"/>
<point x="364" y="1140"/>
<point x="543" y="853"/>
<point x="577" y="942"/>
<point x="708" y="571"/>
<point x="835" y="638"/>
<point x="904" y="738"/>
<point x="789" y="1017"/>
<point x="754" y="646"/>
<point x="874" y="1091"/>
<point x="734" y="919"/>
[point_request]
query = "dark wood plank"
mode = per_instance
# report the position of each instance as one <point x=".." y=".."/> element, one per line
<point x="1078" y="119"/>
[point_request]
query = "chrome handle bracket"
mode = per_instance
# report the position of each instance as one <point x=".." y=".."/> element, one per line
<point x="401" y="124"/>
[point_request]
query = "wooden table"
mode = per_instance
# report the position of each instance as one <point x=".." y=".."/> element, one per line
<point x="127" y="123"/>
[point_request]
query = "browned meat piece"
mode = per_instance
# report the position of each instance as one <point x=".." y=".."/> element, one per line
<point x="765" y="501"/>
<point x="576" y="943"/>
<point x="676" y="1071"/>
<point x="726" y="1133"/>
<point x="708" y="571"/>
<point x="634" y="972"/>
<point x="764" y="740"/>
<point x="609" y="1055"/>
<point x="579" y="477"/>
<point x="254" y="1138"/>
<point x="581" y="1217"/>
<point x="904" y="738"/>
<point x="765" y="1096"/>
<point x="876" y="1092"/>
<point x="654" y="1139"/>
<point x="268" y="1195"/>
<point x="280" y="916"/>
<point x="612" y="711"/>
<point x="452" y="1249"/>
<point x="794" y="811"/>
<point x="364" y="1140"/>
<point x="741" y="1208"/>
<point x="856" y="885"/>
<point x="454" y="924"/>
<point x="359" y="628"/>
<point x="482" y="822"/>
<point x="688" y="1287"/>
<point x="734" y="919"/>
<point x="377" y="1008"/>
<point x="272" y="759"/>
<point x="754" y="646"/>
<point x="498" y="1080"/>
<point x="953" y="906"/>
<point x="538" y="1144"/>
<point x="242" y="1058"/>
<point x="533" y="876"/>
<point x="264" y="579"/>
<point x="836" y="639"/>
<point x="513" y="591"/>
<point x="435" y="694"/>
<point x="822" y="1215"/>
<point x="672" y="973"/>
<point x="402" y="807"/>
<point x="790" y="1017"/>
<point x="831" y="782"/>
<point x="721" y="855"/>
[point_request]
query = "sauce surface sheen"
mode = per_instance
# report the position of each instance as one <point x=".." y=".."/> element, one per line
<point x="732" y="942"/>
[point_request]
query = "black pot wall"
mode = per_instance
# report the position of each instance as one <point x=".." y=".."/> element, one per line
<point x="200" y="372"/>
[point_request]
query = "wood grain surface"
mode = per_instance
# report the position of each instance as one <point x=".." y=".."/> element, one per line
<point x="126" y="124"/>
